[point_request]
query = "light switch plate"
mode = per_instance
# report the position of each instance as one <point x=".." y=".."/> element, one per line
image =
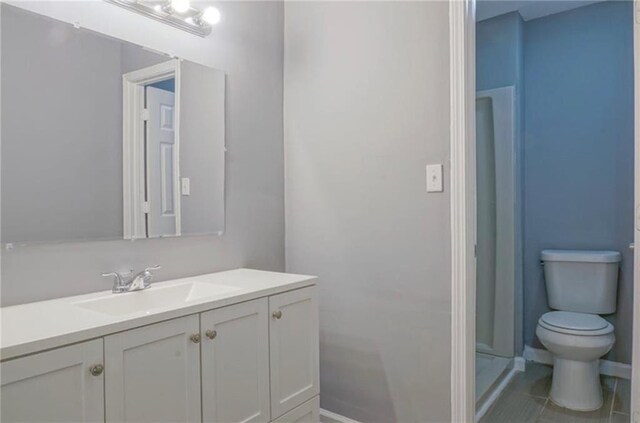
<point x="434" y="178"/>
<point x="186" y="186"/>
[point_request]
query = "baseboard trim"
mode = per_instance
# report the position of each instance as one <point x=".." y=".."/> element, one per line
<point x="497" y="391"/>
<point x="607" y="368"/>
<point x="519" y="364"/>
<point x="327" y="416"/>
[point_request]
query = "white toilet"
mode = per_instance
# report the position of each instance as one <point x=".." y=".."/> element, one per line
<point x="580" y="285"/>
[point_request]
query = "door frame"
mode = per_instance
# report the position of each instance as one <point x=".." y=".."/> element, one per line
<point x="635" y="355"/>
<point x="463" y="219"/>
<point x="134" y="181"/>
<point x="463" y="208"/>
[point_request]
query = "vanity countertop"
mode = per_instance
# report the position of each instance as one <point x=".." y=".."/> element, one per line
<point x="33" y="327"/>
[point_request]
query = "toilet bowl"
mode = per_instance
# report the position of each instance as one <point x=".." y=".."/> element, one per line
<point x="581" y="285"/>
<point x="577" y="341"/>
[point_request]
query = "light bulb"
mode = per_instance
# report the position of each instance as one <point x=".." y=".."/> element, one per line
<point x="211" y="15"/>
<point x="180" y="6"/>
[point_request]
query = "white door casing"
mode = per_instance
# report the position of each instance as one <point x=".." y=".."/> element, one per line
<point x="635" y="360"/>
<point x="294" y="349"/>
<point x="463" y="208"/>
<point x="55" y="385"/>
<point x="163" y="186"/>
<point x="133" y="139"/>
<point x="235" y="363"/>
<point x="152" y="374"/>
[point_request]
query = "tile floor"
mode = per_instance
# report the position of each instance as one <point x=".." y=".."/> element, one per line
<point x="526" y="399"/>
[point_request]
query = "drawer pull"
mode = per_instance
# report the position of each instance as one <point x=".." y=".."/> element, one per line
<point x="277" y="314"/>
<point x="195" y="338"/>
<point x="211" y="334"/>
<point x="96" y="369"/>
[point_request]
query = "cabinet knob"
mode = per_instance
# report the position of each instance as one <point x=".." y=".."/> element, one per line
<point x="195" y="338"/>
<point x="277" y="314"/>
<point x="211" y="334"/>
<point x="96" y="369"/>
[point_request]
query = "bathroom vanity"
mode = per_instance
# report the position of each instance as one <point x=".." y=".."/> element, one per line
<point x="236" y="346"/>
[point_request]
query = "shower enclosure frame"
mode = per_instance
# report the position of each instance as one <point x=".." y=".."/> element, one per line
<point x="507" y="240"/>
<point x="463" y="211"/>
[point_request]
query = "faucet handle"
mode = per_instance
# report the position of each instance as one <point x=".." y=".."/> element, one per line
<point x="118" y="275"/>
<point x="156" y="267"/>
<point x="118" y="280"/>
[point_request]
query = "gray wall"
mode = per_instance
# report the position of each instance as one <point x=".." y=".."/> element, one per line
<point x="248" y="47"/>
<point x="579" y="148"/>
<point x="366" y="108"/>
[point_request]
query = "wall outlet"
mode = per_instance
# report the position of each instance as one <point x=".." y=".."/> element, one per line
<point x="185" y="186"/>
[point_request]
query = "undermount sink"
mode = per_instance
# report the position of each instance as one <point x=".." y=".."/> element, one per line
<point x="155" y="297"/>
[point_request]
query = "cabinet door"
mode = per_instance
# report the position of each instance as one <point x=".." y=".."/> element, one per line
<point x="153" y="373"/>
<point x="235" y="363"/>
<point x="309" y="412"/>
<point x="294" y="349"/>
<point x="54" y="386"/>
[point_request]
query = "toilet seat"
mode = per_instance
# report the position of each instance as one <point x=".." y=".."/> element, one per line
<point x="575" y="323"/>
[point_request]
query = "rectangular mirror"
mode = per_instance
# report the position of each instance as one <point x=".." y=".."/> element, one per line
<point x="103" y="139"/>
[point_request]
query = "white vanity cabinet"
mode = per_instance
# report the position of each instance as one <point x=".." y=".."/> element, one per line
<point x="294" y="349"/>
<point x="235" y="363"/>
<point x="153" y="373"/>
<point x="309" y="412"/>
<point x="249" y="359"/>
<point x="62" y="385"/>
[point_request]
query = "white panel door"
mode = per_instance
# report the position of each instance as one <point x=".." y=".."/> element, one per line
<point x="235" y="363"/>
<point x="54" y="386"/>
<point x="161" y="170"/>
<point x="309" y="412"/>
<point x="153" y="373"/>
<point x="294" y="349"/>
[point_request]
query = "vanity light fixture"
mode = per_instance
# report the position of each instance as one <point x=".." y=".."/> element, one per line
<point x="177" y="13"/>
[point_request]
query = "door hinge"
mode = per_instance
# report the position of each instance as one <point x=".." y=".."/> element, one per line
<point x="145" y="114"/>
<point x="146" y="207"/>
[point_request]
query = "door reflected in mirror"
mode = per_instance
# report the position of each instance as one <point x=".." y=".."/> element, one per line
<point x="103" y="139"/>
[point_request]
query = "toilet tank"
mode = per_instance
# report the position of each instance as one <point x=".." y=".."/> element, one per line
<point x="581" y="281"/>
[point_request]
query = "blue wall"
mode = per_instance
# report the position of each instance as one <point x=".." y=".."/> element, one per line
<point x="578" y="139"/>
<point x="499" y="54"/>
<point x="499" y="63"/>
<point x="167" y="85"/>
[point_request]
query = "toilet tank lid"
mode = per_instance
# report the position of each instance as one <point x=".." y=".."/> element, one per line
<point x="586" y="256"/>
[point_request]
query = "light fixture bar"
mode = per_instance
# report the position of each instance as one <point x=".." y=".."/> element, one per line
<point x="199" y="28"/>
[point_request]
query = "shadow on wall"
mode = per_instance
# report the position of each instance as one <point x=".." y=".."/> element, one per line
<point x="354" y="358"/>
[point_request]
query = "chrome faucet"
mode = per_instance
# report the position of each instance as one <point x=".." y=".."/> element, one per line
<point x="129" y="282"/>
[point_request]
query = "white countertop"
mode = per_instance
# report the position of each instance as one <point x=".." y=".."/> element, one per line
<point x="32" y="327"/>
